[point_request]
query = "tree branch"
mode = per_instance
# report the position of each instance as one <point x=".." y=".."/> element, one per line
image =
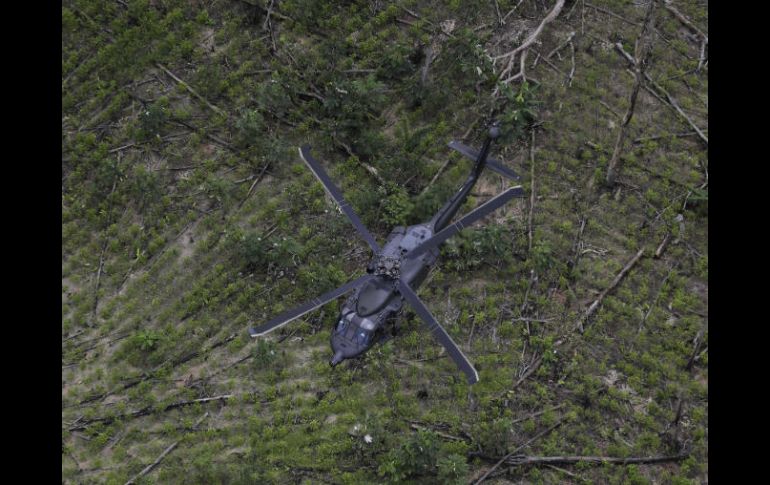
<point x="168" y="450"/>
<point x="190" y="89"/>
<point x="595" y="305"/>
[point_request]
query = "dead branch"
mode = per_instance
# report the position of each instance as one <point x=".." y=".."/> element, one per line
<point x="658" y="137"/>
<point x="696" y="345"/>
<point x="609" y="108"/>
<point x="368" y="167"/>
<point x="563" y="44"/>
<point x="567" y="472"/>
<point x="612" y="14"/>
<point x="73" y="336"/>
<point x="532" y="320"/>
<point x="104" y="248"/>
<point x="642" y="48"/>
<point x="521" y="460"/>
<point x="133" y="144"/>
<point x="266" y="25"/>
<point x="505" y="17"/>
<point x="532" y="190"/>
<point x="702" y="59"/>
<point x="534" y="415"/>
<point x="618" y="278"/>
<point x="435" y="177"/>
<point x="662" y="246"/>
<point x="531" y="370"/>
<point x="547" y="61"/>
<point x="511" y="55"/>
<point x="513" y="453"/>
<point x="147" y="375"/>
<point x="83" y="424"/>
<point x="572" y="71"/>
<point x="578" y="245"/>
<point x="657" y="297"/>
<point x="685" y="21"/>
<point x="211" y="137"/>
<point x="429" y="57"/>
<point x="499" y="15"/>
<point x="190" y="89"/>
<point x="418" y="427"/>
<point x="259" y="177"/>
<point x="669" y="99"/>
<point x="168" y="450"/>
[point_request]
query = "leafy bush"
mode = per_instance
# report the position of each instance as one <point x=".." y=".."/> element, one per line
<point x="452" y="469"/>
<point x="396" y="205"/>
<point x="471" y="249"/>
<point x="422" y="456"/>
<point x="153" y="119"/>
<point x="146" y="340"/>
<point x="253" y="250"/>
<point x="417" y="456"/>
<point x="494" y="436"/>
<point x="518" y="113"/>
<point x="249" y="126"/>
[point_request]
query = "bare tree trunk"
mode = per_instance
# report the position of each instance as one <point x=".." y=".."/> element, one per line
<point x="642" y="50"/>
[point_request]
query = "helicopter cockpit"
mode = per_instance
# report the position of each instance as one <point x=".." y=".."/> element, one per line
<point x="352" y="335"/>
<point x="359" y="331"/>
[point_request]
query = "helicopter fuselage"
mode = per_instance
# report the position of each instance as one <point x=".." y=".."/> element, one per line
<point x="365" y="313"/>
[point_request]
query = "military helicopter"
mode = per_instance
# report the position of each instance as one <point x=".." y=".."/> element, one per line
<point x="398" y="267"/>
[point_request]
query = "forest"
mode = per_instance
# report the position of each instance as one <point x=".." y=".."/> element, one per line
<point x="188" y="216"/>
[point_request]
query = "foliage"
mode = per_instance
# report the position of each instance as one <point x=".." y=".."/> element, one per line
<point x="396" y="205"/>
<point x="470" y="250"/>
<point x="250" y="127"/>
<point x="518" y="113"/>
<point x="422" y="456"/>
<point x="146" y="340"/>
<point x="152" y="120"/>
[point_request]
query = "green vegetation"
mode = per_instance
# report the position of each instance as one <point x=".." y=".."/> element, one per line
<point x="187" y="216"/>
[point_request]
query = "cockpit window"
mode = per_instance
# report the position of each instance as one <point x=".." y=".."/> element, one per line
<point x="363" y="337"/>
<point x="367" y="324"/>
<point x="341" y="325"/>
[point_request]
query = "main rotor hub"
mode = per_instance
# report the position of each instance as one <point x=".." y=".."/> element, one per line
<point x="388" y="266"/>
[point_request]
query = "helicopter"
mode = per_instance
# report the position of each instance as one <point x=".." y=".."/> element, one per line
<point x="398" y="268"/>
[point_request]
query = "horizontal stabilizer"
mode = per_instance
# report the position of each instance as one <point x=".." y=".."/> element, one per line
<point x="479" y="212"/>
<point x="492" y="163"/>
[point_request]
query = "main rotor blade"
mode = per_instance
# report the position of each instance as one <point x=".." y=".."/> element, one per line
<point x="438" y="332"/>
<point x="295" y="313"/>
<point x="335" y="194"/>
<point x="473" y="216"/>
<point x="492" y="163"/>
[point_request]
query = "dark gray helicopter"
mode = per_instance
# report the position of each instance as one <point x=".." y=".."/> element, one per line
<point x="399" y="267"/>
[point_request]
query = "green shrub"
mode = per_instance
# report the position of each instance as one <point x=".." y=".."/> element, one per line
<point x="416" y="457"/>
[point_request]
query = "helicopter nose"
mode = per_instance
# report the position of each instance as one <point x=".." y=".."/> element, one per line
<point x="336" y="359"/>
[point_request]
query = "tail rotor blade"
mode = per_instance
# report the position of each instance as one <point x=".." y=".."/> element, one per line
<point x="438" y="332"/>
<point x="473" y="216"/>
<point x="335" y="194"/>
<point x="295" y="313"/>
